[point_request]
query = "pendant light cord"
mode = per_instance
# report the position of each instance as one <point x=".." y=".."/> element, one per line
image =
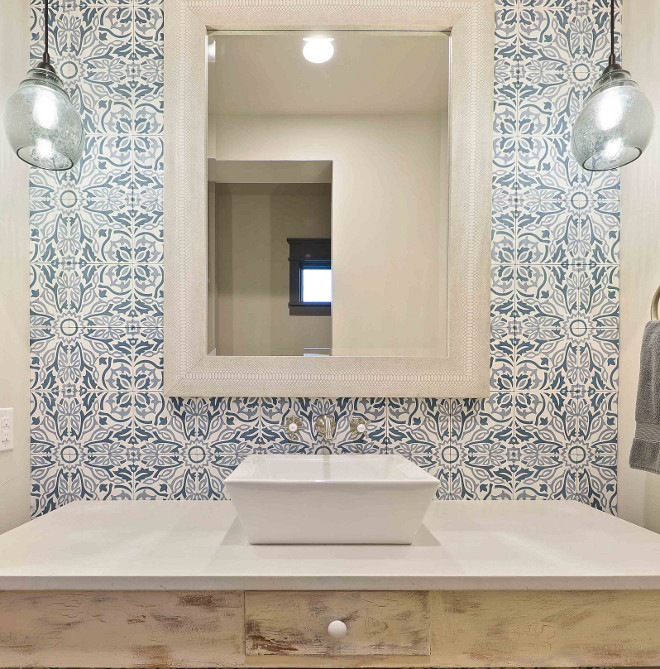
<point x="46" y="57"/>
<point x="612" y="63"/>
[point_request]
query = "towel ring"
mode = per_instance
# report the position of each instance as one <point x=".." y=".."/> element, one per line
<point x="654" y="304"/>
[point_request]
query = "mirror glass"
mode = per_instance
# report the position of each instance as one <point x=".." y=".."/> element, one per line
<point x="328" y="183"/>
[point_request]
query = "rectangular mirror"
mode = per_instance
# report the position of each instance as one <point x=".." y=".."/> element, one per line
<point x="328" y="198"/>
<point x="328" y="187"/>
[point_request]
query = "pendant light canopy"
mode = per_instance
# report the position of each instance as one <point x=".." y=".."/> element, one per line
<point x="616" y="123"/>
<point x="42" y="125"/>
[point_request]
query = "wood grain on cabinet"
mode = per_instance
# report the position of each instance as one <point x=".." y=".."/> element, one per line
<point x="121" y="629"/>
<point x="267" y="630"/>
<point x="545" y="628"/>
<point x="296" y="623"/>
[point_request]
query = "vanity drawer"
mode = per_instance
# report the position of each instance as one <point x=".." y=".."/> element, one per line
<point x="377" y="623"/>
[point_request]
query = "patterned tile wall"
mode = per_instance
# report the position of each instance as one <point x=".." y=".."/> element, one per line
<point x="101" y="427"/>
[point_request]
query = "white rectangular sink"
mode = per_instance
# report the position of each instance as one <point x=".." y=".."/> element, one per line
<point x="330" y="499"/>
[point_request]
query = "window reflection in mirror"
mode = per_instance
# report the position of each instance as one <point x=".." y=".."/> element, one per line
<point x="328" y="194"/>
<point x="316" y="285"/>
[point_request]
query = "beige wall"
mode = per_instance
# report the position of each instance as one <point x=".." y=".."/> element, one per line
<point x="389" y="223"/>
<point x="253" y="222"/>
<point x="14" y="276"/>
<point x="639" y="492"/>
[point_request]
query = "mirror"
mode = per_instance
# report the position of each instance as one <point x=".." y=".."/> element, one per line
<point x="279" y="137"/>
<point x="328" y="186"/>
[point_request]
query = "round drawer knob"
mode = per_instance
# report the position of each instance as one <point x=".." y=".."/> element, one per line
<point x="337" y="629"/>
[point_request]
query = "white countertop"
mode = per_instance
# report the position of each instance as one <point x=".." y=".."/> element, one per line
<point x="200" y="545"/>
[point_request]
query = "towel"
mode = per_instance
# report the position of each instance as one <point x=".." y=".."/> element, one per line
<point x="645" y="453"/>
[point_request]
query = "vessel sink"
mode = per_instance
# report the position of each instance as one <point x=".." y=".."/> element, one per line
<point x="330" y="499"/>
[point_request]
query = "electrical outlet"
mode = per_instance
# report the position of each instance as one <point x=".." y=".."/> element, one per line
<point x="6" y="429"/>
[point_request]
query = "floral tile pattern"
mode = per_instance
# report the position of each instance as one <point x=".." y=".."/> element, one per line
<point x="101" y="426"/>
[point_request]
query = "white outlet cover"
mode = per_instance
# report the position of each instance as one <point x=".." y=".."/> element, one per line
<point x="6" y="430"/>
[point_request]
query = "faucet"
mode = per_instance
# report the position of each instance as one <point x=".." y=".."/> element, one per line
<point x="326" y="426"/>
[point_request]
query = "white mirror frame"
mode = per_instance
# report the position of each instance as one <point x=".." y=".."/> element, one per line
<point x="189" y="370"/>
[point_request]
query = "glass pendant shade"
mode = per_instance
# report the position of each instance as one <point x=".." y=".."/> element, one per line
<point x="43" y="127"/>
<point x="615" y="125"/>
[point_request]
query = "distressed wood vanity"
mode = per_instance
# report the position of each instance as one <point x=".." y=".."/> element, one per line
<point x="175" y="584"/>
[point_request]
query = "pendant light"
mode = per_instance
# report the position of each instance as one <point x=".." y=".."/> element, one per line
<point x="42" y="125"/>
<point x="616" y="123"/>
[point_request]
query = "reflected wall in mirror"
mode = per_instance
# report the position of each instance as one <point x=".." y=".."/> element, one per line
<point x="328" y="194"/>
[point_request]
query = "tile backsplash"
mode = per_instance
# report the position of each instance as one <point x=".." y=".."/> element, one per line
<point x="101" y="426"/>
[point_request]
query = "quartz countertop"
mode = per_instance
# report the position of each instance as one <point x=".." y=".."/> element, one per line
<point x="188" y="545"/>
